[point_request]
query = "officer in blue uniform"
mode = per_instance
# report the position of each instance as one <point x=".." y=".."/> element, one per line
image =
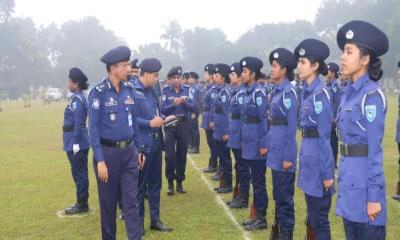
<point x="220" y="120"/>
<point x="397" y="195"/>
<point x="209" y="96"/>
<point x="316" y="175"/>
<point x="150" y="131"/>
<point x="334" y="88"/>
<point x="281" y="141"/>
<point x="185" y="78"/>
<point x="114" y="136"/>
<point x="254" y="140"/>
<point x="76" y="139"/>
<point x="176" y="101"/>
<point x="361" y="200"/>
<point x="134" y="73"/>
<point x="194" y="116"/>
<point x="241" y="198"/>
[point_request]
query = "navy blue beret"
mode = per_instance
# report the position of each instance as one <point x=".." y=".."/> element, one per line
<point x="222" y="69"/>
<point x="135" y="63"/>
<point x="236" y="68"/>
<point x="150" y="65"/>
<point x="209" y="68"/>
<point x="194" y="75"/>
<point x="333" y="67"/>
<point x="364" y="34"/>
<point x="252" y="63"/>
<point x="284" y="57"/>
<point x="76" y="75"/>
<point x="186" y="75"/>
<point x="312" y="48"/>
<point x="175" y="71"/>
<point x="116" y="55"/>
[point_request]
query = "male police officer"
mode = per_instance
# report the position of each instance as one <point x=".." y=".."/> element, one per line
<point x="150" y="123"/>
<point x="115" y="140"/>
<point x="195" y="91"/>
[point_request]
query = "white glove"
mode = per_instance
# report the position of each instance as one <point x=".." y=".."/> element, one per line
<point x="75" y="148"/>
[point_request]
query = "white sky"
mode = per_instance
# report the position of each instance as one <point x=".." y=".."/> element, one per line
<point x="140" y="22"/>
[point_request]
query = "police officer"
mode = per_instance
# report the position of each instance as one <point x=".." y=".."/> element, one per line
<point x="254" y="140"/>
<point x="150" y="131"/>
<point x="316" y="175"/>
<point x="176" y="101"/>
<point x="134" y="68"/>
<point x="115" y="140"/>
<point x="333" y="86"/>
<point x="361" y="200"/>
<point x="76" y="139"/>
<point x="194" y="116"/>
<point x="185" y="78"/>
<point x="209" y="96"/>
<point x="240" y="198"/>
<point x="220" y="120"/>
<point x="397" y="195"/>
<point x="281" y="141"/>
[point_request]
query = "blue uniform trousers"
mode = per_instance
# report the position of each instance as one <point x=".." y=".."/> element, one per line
<point x="211" y="142"/>
<point x="257" y="175"/>
<point x="283" y="192"/>
<point x="79" y="170"/>
<point x="363" y="231"/>
<point x="318" y="215"/>
<point x="225" y="161"/>
<point x="194" y="132"/>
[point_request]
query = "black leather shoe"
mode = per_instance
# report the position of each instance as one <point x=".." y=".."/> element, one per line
<point x="216" y="177"/>
<point x="248" y="222"/>
<point x="170" y="190"/>
<point x="257" y="224"/>
<point x="77" y="208"/>
<point x="159" y="226"/>
<point x="210" y="169"/>
<point x="239" y="203"/>
<point x="233" y="200"/>
<point x="225" y="189"/>
<point x="179" y="188"/>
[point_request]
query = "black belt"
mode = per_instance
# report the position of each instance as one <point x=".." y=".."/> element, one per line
<point x="354" y="150"/>
<point x="218" y="110"/>
<point x="278" y="121"/>
<point x="251" y="119"/>
<point x="115" y="144"/>
<point x="235" y="116"/>
<point x="68" y="128"/>
<point x="309" y="133"/>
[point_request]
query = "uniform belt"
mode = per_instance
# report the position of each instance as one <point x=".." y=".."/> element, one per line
<point x="68" y="128"/>
<point x="235" y="116"/>
<point x="278" y="121"/>
<point x="115" y="144"/>
<point x="354" y="150"/>
<point x="251" y="119"/>
<point x="309" y="133"/>
<point x="156" y="135"/>
<point x="218" y="110"/>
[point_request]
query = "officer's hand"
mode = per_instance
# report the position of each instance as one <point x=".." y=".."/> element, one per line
<point x="102" y="171"/>
<point x="141" y="160"/>
<point x="373" y="210"/>
<point x="177" y="101"/>
<point x="287" y="165"/>
<point x="225" y="137"/>
<point x="263" y="151"/>
<point x="328" y="184"/>
<point x="75" y="148"/>
<point x="211" y="125"/>
<point x="156" y="122"/>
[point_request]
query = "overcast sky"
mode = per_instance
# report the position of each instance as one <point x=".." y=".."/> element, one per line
<point x="139" y="22"/>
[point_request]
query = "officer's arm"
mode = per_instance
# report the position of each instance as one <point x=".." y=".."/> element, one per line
<point x="166" y="106"/>
<point x="190" y="104"/>
<point x="95" y="106"/>
<point x="225" y="108"/>
<point x="324" y="126"/>
<point x="78" y="115"/>
<point x="375" y="128"/>
<point x="142" y="122"/>
<point x="135" y="125"/>
<point x="262" y="116"/>
<point x="290" y="136"/>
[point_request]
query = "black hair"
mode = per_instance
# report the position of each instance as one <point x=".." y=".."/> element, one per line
<point x="375" y="64"/>
<point x="289" y="72"/>
<point x="323" y="68"/>
<point x="108" y="67"/>
<point x="398" y="64"/>
<point x="83" y="85"/>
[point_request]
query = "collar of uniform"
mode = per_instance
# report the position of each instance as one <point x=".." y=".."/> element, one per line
<point x="139" y="84"/>
<point x="219" y="87"/>
<point x="109" y="84"/>
<point x="251" y="87"/>
<point x="360" y="82"/>
<point x="313" y="85"/>
<point x="282" y="85"/>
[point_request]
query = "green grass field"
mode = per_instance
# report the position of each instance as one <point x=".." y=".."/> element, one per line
<point x="36" y="183"/>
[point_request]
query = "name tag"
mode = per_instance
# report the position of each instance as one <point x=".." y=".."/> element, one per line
<point x="109" y="104"/>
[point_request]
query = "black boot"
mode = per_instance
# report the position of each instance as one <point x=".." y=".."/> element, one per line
<point x="285" y="234"/>
<point x="217" y="176"/>
<point x="81" y="206"/>
<point x="225" y="189"/>
<point x="259" y="223"/>
<point x="242" y="202"/>
<point x="170" y="190"/>
<point x="159" y="226"/>
<point x="179" y="188"/>
<point x="237" y="198"/>
<point x="210" y="169"/>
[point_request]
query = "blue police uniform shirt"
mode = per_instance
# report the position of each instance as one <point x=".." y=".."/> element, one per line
<point x="209" y="97"/>
<point x="167" y="102"/>
<point x="361" y="120"/>
<point x="334" y="90"/>
<point x="194" y="94"/>
<point x="238" y="94"/>
<point x="254" y="126"/>
<point x="147" y="107"/>
<point x="75" y="115"/>
<point x="112" y="115"/>
<point x="221" y="111"/>
<point x="281" y="139"/>
<point x="316" y="158"/>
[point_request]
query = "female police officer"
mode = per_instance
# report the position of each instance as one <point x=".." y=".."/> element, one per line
<point x="76" y="139"/>
<point x="316" y="160"/>
<point x="361" y="183"/>
<point x="254" y="144"/>
<point x="220" y="120"/>
<point x="282" y="145"/>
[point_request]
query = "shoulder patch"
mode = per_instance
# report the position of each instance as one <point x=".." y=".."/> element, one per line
<point x="259" y="101"/>
<point x="287" y="102"/>
<point x="370" y="111"/>
<point x="96" y="104"/>
<point x="318" y="107"/>
<point x="100" y="87"/>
